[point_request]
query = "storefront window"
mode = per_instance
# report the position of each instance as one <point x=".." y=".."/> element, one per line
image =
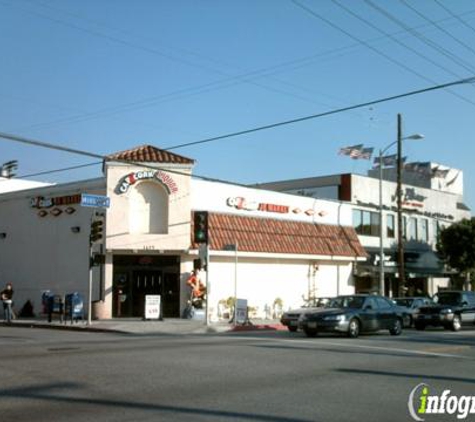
<point x="436" y="230"/>
<point x="390" y="226"/>
<point x="424" y="230"/>
<point x="366" y="222"/>
<point x="413" y="228"/>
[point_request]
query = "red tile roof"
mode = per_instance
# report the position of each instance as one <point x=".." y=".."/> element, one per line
<point x="150" y="154"/>
<point x="280" y="236"/>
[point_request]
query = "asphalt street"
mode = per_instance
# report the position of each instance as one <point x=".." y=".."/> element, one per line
<point x="50" y="375"/>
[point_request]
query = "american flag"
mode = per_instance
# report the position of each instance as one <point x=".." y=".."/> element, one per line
<point x="418" y="167"/>
<point x="365" y="154"/>
<point x="388" y="161"/>
<point x="352" y="151"/>
<point x="438" y="172"/>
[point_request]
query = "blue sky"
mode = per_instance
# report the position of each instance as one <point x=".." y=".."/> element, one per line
<point x="108" y="75"/>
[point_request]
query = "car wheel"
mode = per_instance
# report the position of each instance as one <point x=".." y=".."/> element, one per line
<point x="353" y="328"/>
<point x="292" y="329"/>
<point x="396" y="328"/>
<point x="456" y="323"/>
<point x="310" y="332"/>
<point x="419" y="326"/>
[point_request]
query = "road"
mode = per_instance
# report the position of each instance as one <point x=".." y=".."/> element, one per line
<point x="49" y="375"/>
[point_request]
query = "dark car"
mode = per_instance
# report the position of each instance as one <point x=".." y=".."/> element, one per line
<point x="291" y="318"/>
<point x="352" y="315"/>
<point x="451" y="310"/>
<point x="410" y="306"/>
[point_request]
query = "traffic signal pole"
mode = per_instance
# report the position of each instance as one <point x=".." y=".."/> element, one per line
<point x="96" y="234"/>
<point x="89" y="286"/>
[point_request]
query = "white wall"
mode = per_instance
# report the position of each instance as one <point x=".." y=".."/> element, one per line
<point x="261" y="280"/>
<point x="215" y="197"/>
<point x="119" y="216"/>
<point x="42" y="253"/>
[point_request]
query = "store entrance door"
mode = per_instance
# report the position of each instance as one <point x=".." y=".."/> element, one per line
<point x="136" y="276"/>
<point x="144" y="283"/>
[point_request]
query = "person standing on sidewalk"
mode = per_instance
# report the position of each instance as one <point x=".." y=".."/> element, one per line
<point x="6" y="295"/>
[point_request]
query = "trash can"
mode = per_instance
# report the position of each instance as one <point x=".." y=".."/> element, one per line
<point x="74" y="307"/>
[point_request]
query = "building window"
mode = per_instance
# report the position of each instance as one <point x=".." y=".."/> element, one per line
<point x="390" y="226"/>
<point x="436" y="230"/>
<point x="412" y="228"/>
<point x="366" y="222"/>
<point x="424" y="230"/>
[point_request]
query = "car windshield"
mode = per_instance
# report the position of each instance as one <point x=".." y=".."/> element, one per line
<point x="316" y="303"/>
<point x="346" y="302"/>
<point x="404" y="302"/>
<point x="447" y="299"/>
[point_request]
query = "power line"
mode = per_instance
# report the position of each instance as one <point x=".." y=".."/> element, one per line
<point x="326" y="113"/>
<point x="462" y="21"/>
<point x="421" y="37"/>
<point x="43" y="173"/>
<point x="413" y="50"/>
<point x="246" y="77"/>
<point x="439" y="27"/>
<point x="42" y="144"/>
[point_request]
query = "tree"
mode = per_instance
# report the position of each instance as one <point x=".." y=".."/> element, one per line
<point x="456" y="244"/>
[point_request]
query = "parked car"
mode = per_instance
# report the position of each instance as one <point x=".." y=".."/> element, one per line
<point x="352" y="315"/>
<point x="291" y="318"/>
<point x="410" y="305"/>
<point x="451" y="310"/>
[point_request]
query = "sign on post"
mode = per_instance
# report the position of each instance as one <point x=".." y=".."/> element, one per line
<point x="241" y="311"/>
<point x="95" y="201"/>
<point x="152" y="306"/>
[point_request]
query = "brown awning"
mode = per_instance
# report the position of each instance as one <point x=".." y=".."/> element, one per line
<point x="267" y="235"/>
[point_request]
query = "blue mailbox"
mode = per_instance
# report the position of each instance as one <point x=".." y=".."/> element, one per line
<point x="74" y="306"/>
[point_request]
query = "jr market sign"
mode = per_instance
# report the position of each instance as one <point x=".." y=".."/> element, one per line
<point x="241" y="203"/>
<point x="152" y="175"/>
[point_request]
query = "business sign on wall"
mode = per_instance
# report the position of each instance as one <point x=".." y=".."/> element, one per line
<point x="245" y="204"/>
<point x="152" y="175"/>
<point x="44" y="203"/>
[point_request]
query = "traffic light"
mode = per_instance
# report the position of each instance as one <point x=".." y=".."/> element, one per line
<point x="96" y="230"/>
<point x="201" y="227"/>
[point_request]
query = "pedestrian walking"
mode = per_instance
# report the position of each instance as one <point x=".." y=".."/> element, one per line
<point x="6" y="295"/>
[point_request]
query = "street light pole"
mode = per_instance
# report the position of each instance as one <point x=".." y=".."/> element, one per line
<point x="381" y="232"/>
<point x="400" y="245"/>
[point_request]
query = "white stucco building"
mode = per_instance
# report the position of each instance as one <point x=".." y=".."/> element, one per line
<point x="432" y="199"/>
<point x="288" y="246"/>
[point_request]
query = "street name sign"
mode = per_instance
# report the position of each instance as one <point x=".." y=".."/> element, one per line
<point x="95" y="201"/>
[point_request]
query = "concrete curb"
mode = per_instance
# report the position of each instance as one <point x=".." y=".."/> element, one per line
<point x="140" y="327"/>
<point x="64" y="327"/>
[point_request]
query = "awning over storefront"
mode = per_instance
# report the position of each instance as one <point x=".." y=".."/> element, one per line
<point x="420" y="263"/>
<point x="266" y="235"/>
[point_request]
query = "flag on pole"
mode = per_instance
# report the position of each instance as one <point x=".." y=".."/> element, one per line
<point x="388" y="161"/>
<point x="439" y="173"/>
<point x="365" y="154"/>
<point x="418" y="167"/>
<point x="352" y="151"/>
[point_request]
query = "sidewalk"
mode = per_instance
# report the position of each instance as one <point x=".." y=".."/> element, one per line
<point x="173" y="326"/>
